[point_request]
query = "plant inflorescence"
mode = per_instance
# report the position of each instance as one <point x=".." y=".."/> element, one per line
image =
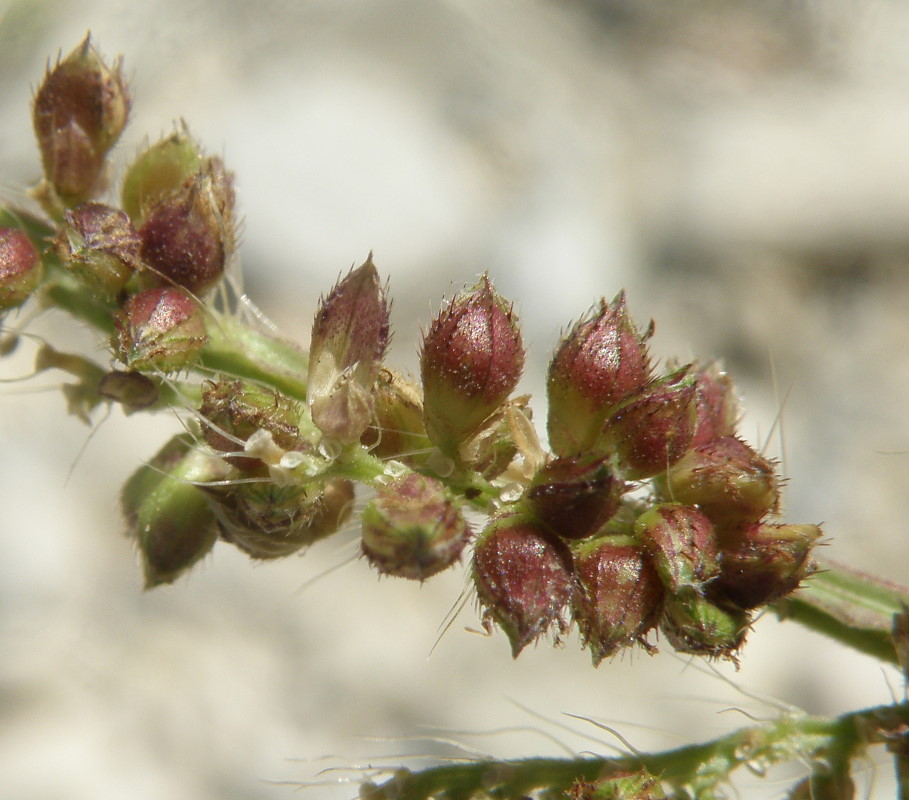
<point x="646" y="514"/>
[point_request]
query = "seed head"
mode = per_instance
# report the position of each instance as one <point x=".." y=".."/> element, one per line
<point x="232" y="411"/>
<point x="575" y="496"/>
<point x="100" y="246"/>
<point x="158" y="172"/>
<point x="349" y="337"/>
<point x="169" y="517"/>
<point x="601" y="361"/>
<point x="653" y="428"/>
<point x="471" y="360"/>
<point x="620" y="596"/>
<point x="413" y="528"/>
<point x="267" y="521"/>
<point x="682" y="545"/>
<point x="523" y="577"/>
<point x="21" y="268"/>
<point x="726" y="479"/>
<point x="159" y="329"/>
<point x="764" y="562"/>
<point x="188" y="235"/>
<point x="78" y="113"/>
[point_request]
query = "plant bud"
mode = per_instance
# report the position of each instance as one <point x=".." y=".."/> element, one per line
<point x="232" y="411"/>
<point x="471" y="361"/>
<point x="99" y="245"/>
<point x="79" y="112"/>
<point x="653" y="428"/>
<point x="601" y="361"/>
<point x="170" y="518"/>
<point x="21" y="269"/>
<point x="682" y="545"/>
<point x="266" y="520"/>
<point x="159" y="330"/>
<point x="625" y="785"/>
<point x="726" y="479"/>
<point x="397" y="430"/>
<point x="413" y="529"/>
<point x="349" y="338"/>
<point x="766" y="562"/>
<point x="188" y="236"/>
<point x="717" y="406"/>
<point x="575" y="496"/>
<point x="620" y="597"/>
<point x="523" y="577"/>
<point x="694" y="624"/>
<point x="158" y="172"/>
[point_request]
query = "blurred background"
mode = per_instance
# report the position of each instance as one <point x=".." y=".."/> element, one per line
<point x="742" y="169"/>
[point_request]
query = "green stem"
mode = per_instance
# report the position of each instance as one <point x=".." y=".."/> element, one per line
<point x="853" y="607"/>
<point x="694" y="769"/>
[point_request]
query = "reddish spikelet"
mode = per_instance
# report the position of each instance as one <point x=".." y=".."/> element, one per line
<point x="413" y="528"/>
<point x="620" y="595"/>
<point x="575" y="496"/>
<point x="523" y="578"/>
<point x="21" y="269"/>
<point x="681" y="543"/>
<point x="653" y="428"/>
<point x="601" y="361"/>
<point x="159" y="329"/>
<point x="730" y="482"/>
<point x="349" y="337"/>
<point x="100" y="246"/>
<point x="471" y="360"/>
<point x="79" y="111"/>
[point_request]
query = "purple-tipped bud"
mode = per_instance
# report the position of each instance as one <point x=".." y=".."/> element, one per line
<point x="523" y="577"/>
<point x="620" y="598"/>
<point x="653" y="428"/>
<point x="397" y="429"/>
<point x="471" y="360"/>
<point x="726" y="479"/>
<point x="188" y="236"/>
<point x="694" y="624"/>
<point x="637" y="785"/>
<point x="682" y="545"/>
<point x="159" y="330"/>
<point x="267" y="521"/>
<point x="79" y="112"/>
<point x="21" y="269"/>
<point x="158" y="172"/>
<point x="232" y="411"/>
<point x="99" y="245"/>
<point x="169" y="517"/>
<point x="717" y="405"/>
<point x="349" y="338"/>
<point x="764" y="563"/>
<point x="575" y="496"/>
<point x="413" y="528"/>
<point x="601" y="361"/>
